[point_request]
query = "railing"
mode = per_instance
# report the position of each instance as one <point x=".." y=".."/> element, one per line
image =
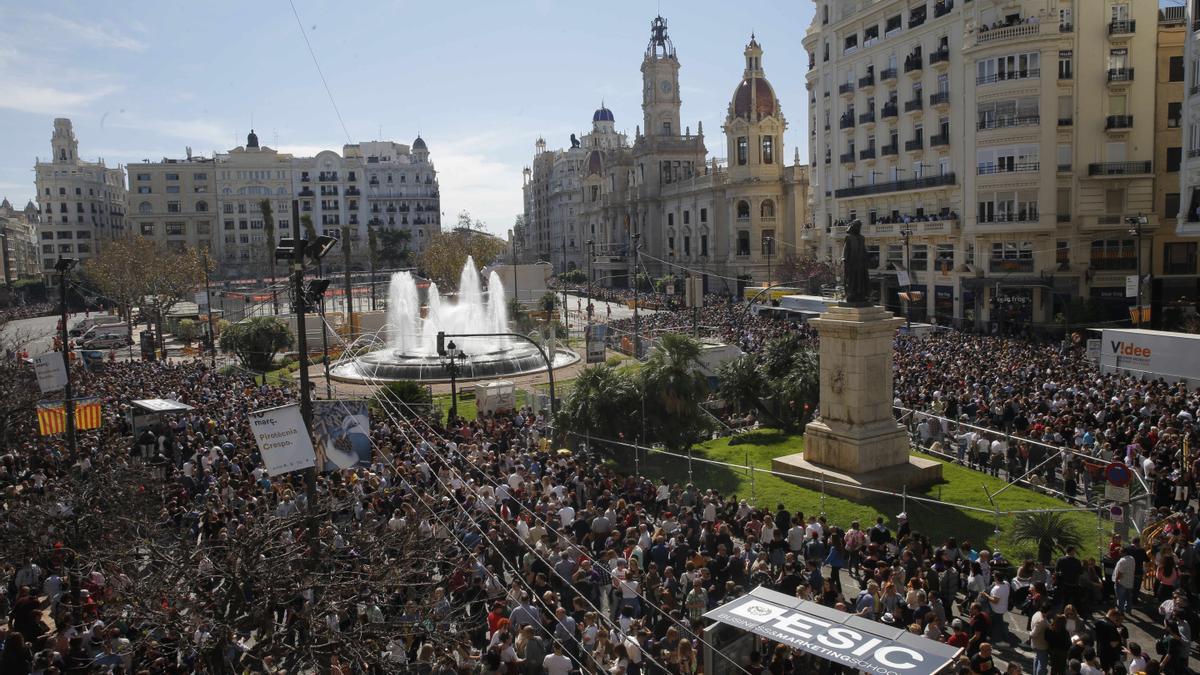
<point x="896" y="186"/>
<point x="868" y="153"/>
<point x="846" y="157"/>
<point x="1119" y="168"/>
<point x="866" y="81"/>
<point x="1118" y="122"/>
<point x="1063" y="218"/>
<point x="1020" y="30"/>
<point x="1002" y="265"/>
<point x="867" y="117"/>
<point x="939" y="139"/>
<point x="912" y="63"/>
<point x="1066" y="28"/>
<point x="940" y="56"/>
<point x="915" y="144"/>
<point x="890" y="110"/>
<point x="846" y="88"/>
<point x="1023" y="217"/>
<point x="1066" y="121"/>
<point x="988" y="169"/>
<point x="846" y="122"/>
<point x="1062" y="168"/>
<point x="939" y="98"/>
<point x="1123" y="263"/>
<point x="1194" y="153"/>
<point x="889" y="150"/>
<point x="1120" y="74"/>
<point x="942" y="9"/>
<point x="1026" y="74"/>
<point x="915" y="104"/>
<point x="352" y="192"/>
<point x="1007" y="121"/>
<point x="887" y="74"/>
<point x="1124" y="27"/>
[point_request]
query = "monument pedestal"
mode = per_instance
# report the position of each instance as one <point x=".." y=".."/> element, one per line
<point x="856" y="440"/>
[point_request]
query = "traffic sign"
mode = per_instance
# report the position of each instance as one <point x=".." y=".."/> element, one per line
<point x="1118" y="474"/>
<point x="1116" y="514"/>
<point x="1115" y="493"/>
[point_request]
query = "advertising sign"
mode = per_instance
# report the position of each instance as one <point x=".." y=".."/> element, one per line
<point x="51" y="372"/>
<point x="341" y="430"/>
<point x="1131" y="288"/>
<point x="1118" y="474"/>
<point x="845" y="639"/>
<point x="202" y="302"/>
<point x="594" y="337"/>
<point x="282" y="439"/>
<point x="1113" y="493"/>
<point x="1154" y="353"/>
<point x="1093" y="350"/>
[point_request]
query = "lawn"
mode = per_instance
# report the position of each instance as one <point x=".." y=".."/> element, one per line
<point x="961" y="486"/>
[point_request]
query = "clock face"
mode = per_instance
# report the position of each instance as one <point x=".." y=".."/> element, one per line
<point x="665" y="86"/>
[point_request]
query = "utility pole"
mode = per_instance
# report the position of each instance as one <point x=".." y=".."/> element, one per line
<point x="591" y="246"/>
<point x="770" y="242"/>
<point x="212" y="334"/>
<point x="907" y="234"/>
<point x="1135" y="228"/>
<point x="299" y="307"/>
<point x="63" y="266"/>
<point x="637" y="324"/>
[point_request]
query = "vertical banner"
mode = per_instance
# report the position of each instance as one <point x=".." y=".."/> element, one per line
<point x="594" y="338"/>
<point x="202" y="302"/>
<point x="342" y="431"/>
<point x="282" y="439"/>
<point x="51" y="371"/>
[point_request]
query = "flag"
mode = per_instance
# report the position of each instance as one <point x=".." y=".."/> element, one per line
<point x="52" y="416"/>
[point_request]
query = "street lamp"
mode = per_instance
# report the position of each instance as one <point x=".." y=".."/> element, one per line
<point x="63" y="266"/>
<point x="769" y="245"/>
<point x="453" y="359"/>
<point x="1136" y="223"/>
<point x="907" y="234"/>
<point x="591" y="245"/>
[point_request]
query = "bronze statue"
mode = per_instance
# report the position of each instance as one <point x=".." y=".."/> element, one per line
<point x="574" y="141"/>
<point x="856" y="279"/>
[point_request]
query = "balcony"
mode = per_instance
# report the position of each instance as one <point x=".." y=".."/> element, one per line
<point x="306" y="192"/>
<point x="890" y="110"/>
<point x="896" y="186"/>
<point x="330" y="177"/>
<point x="867" y="117"/>
<point x="846" y="157"/>
<point x="868" y="153"/>
<point x="1115" y="122"/>
<point x="1194" y="153"/>
<point x="1009" y="121"/>
<point x="1064" y="168"/>
<point x="846" y="122"/>
<point x="913" y="64"/>
<point x="1022" y="217"/>
<point x="846" y="88"/>
<point x="1066" y="121"/>
<point x="1026" y="74"/>
<point x="1001" y="265"/>
<point x="990" y="169"/>
<point x="1124" y="27"/>
<point x="1118" y="75"/>
<point x="1122" y="263"/>
<point x="1062" y="218"/>
<point x="866" y="81"/>
<point x="915" y="105"/>
<point x="1120" y="168"/>
<point x="940" y="58"/>
<point x="889" y="150"/>
<point x="941" y="9"/>
<point x="1014" y="32"/>
<point x="352" y="191"/>
<point x="939" y="140"/>
<point x="939" y="99"/>
<point x="914" y="145"/>
<point x="887" y="75"/>
<point x="1064" y="27"/>
<point x="304" y="178"/>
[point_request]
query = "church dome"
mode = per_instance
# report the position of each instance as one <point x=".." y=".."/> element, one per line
<point x="603" y="115"/>
<point x="419" y="144"/>
<point x="252" y="139"/>
<point x="754" y="98"/>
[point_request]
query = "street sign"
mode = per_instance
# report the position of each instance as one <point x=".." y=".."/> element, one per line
<point x="202" y="302"/>
<point x="1131" y="286"/>
<point x="594" y="336"/>
<point x="1093" y="350"/>
<point x="1113" y="493"/>
<point x="1118" y="474"/>
<point x="1116" y="514"/>
<point x="50" y="370"/>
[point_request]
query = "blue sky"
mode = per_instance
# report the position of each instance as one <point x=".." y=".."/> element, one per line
<point x="480" y="80"/>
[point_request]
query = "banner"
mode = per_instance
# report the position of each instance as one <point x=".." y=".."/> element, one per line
<point x="282" y="439"/>
<point x="52" y="416"/>
<point x="845" y="639"/>
<point x="342" y="431"/>
<point x="593" y="336"/>
<point x="202" y="302"/>
<point x="51" y="371"/>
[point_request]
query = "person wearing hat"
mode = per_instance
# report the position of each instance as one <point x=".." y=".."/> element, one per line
<point x="903" y="529"/>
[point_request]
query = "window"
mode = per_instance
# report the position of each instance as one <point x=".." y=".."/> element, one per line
<point x="228" y="225"/>
<point x="143" y="176"/>
<point x="1066" y="64"/>
<point x="173" y="189"/>
<point x="1010" y="67"/>
<point x="1174" y="157"/>
<point x="145" y="207"/>
<point x="1012" y="250"/>
<point x="743" y="210"/>
<point x="172" y="176"/>
<point x="768" y="242"/>
<point x="767" y="210"/>
<point x="687" y="217"/>
<point x="147" y="229"/>
<point x="1171" y="205"/>
<point x="172" y="207"/>
<point x="670" y="220"/>
<point x="143" y="189"/>
<point x="1174" y="114"/>
<point x="1176" y="69"/>
<point x="65" y="235"/>
<point x="1179" y="258"/>
<point x="945" y="257"/>
<point x="768" y="149"/>
<point x="202" y="206"/>
<point x="743" y="242"/>
<point x="83" y="234"/>
<point x="175" y="229"/>
<point x="743" y="149"/>
<point x="704" y="244"/>
<point x="919" y="262"/>
<point x="200" y="176"/>
<point x="704" y="215"/>
<point x="687" y="245"/>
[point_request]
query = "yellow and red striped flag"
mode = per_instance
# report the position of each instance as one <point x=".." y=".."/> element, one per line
<point x="52" y="416"/>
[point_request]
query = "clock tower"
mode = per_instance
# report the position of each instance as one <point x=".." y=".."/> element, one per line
<point x="660" y="83"/>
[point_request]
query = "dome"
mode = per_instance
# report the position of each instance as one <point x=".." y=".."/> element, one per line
<point x="419" y="144"/>
<point x="603" y="115"/>
<point x="595" y="164"/>
<point x="763" y="104"/>
<point x="252" y="139"/>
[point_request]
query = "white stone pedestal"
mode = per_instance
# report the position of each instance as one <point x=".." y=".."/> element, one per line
<point x="856" y="440"/>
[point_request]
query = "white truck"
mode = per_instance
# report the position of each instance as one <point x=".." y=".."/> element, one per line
<point x="1152" y="353"/>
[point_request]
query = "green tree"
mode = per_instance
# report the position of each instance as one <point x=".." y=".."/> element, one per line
<point x="411" y="399"/>
<point x="187" y="331"/>
<point x="268" y="215"/>
<point x="256" y="341"/>
<point x="446" y="252"/>
<point x="549" y="301"/>
<point x="794" y="396"/>
<point x="742" y="383"/>
<point x="674" y="388"/>
<point x="310" y="230"/>
<point x="1050" y="532"/>
<point x="394" y="247"/>
<point x="605" y="401"/>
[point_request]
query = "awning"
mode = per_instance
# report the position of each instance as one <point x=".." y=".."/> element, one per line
<point x="160" y="405"/>
<point x="836" y="636"/>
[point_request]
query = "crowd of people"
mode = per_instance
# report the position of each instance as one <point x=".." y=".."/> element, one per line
<point x="567" y="564"/>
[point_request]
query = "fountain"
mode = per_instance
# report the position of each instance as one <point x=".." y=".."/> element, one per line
<point x="411" y="335"/>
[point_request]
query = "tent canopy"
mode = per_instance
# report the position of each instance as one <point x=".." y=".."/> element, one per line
<point x="845" y="639"/>
<point x="159" y="405"/>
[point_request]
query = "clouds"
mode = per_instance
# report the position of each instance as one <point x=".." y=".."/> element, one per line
<point x="102" y="34"/>
<point x="28" y="96"/>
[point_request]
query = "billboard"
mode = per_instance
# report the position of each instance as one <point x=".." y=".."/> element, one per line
<point x="593" y="336"/>
<point x="1154" y="353"/>
<point x="282" y="439"/>
<point x="342" y="432"/>
<point x="51" y="371"/>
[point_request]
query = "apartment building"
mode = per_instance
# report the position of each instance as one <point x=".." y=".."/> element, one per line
<point x="19" y="247"/>
<point x="993" y="150"/>
<point x="174" y="201"/>
<point x="401" y="190"/>
<point x="82" y="203"/>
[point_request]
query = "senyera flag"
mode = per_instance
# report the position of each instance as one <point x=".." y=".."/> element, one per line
<point x="52" y="416"/>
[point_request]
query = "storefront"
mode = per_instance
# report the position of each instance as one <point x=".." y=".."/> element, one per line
<point x="1012" y="308"/>
<point x="943" y="305"/>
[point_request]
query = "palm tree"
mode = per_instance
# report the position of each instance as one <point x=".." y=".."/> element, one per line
<point x="604" y="401"/>
<point x="1051" y="532"/>
<point x="742" y="384"/>
<point x="269" y="229"/>
<point x="674" y="386"/>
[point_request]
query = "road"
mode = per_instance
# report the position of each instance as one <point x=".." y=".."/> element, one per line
<point x="36" y="335"/>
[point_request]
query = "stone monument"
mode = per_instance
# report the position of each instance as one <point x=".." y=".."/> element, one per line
<point x="856" y="442"/>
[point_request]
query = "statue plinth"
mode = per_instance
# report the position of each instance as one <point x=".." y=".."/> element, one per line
<point x="856" y="439"/>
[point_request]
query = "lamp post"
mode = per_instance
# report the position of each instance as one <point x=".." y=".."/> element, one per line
<point x="591" y="246"/>
<point x="212" y="334"/>
<point x="769" y="245"/>
<point x="1135" y="229"/>
<point x="637" y="324"/>
<point x="907" y="234"/>
<point x="63" y="266"/>
<point x="452" y="360"/>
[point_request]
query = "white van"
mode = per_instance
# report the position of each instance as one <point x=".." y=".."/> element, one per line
<point x="105" y="339"/>
<point x="83" y="326"/>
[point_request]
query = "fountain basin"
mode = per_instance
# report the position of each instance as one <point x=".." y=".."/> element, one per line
<point x="387" y="365"/>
